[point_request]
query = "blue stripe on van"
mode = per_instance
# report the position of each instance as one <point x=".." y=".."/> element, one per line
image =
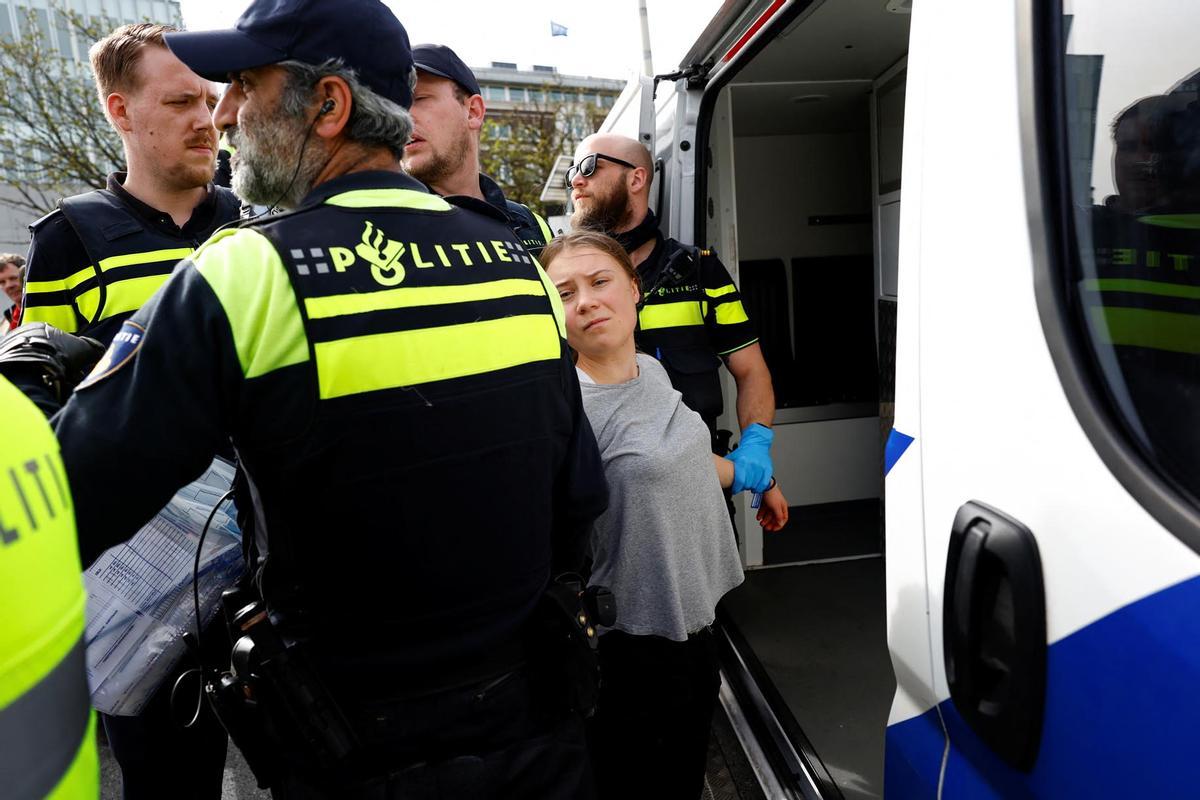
<point x="1122" y="712"/>
<point x="897" y="443"/>
<point x="913" y="757"/>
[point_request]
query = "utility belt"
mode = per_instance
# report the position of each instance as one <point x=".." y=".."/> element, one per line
<point x="277" y="709"/>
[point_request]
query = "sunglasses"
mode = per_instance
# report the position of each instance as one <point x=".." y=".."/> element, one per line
<point x="587" y="166"/>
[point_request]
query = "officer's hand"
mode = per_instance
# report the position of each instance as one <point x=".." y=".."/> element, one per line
<point x="752" y="460"/>
<point x="59" y="359"/>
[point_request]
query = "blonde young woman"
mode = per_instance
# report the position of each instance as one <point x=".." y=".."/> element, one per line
<point x="665" y="546"/>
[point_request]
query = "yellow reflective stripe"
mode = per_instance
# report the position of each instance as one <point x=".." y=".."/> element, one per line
<point x="389" y="198"/>
<point x="34" y="287"/>
<point x="1188" y="222"/>
<point x="61" y="317"/>
<point x="670" y="315"/>
<point x="1160" y="288"/>
<point x="1141" y="327"/>
<point x="358" y="303"/>
<point x="724" y="290"/>
<point x="547" y="234"/>
<point x="249" y="279"/>
<point x="149" y="257"/>
<point x="560" y="316"/>
<point x="410" y="358"/>
<point x="88" y="304"/>
<point x="731" y="313"/>
<point x="130" y="294"/>
<point x="70" y="282"/>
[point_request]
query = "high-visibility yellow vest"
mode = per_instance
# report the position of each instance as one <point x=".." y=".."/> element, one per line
<point x="47" y="728"/>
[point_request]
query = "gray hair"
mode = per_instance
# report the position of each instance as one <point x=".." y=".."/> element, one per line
<point x="375" y="121"/>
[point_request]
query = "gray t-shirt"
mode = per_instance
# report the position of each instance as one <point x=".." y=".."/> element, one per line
<point x="665" y="545"/>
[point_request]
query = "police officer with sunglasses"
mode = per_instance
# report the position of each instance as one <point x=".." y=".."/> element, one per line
<point x="692" y="319"/>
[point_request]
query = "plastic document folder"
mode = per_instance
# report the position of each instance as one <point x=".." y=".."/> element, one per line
<point x="140" y="599"/>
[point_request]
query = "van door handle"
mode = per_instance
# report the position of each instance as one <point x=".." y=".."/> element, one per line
<point x="994" y="631"/>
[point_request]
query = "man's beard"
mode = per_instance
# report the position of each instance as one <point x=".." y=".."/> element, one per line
<point x="441" y="165"/>
<point x="274" y="163"/>
<point x="604" y="213"/>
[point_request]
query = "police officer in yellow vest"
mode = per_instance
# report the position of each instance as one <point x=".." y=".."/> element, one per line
<point x="393" y="372"/>
<point x="96" y="258"/>
<point x="47" y="726"/>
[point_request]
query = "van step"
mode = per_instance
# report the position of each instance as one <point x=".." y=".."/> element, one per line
<point x="728" y="774"/>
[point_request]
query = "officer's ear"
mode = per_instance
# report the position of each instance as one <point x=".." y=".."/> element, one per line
<point x="117" y="107"/>
<point x="332" y="106"/>
<point x="638" y="180"/>
<point x="476" y="108"/>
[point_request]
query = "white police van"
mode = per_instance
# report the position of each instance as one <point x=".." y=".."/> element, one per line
<point x="968" y="228"/>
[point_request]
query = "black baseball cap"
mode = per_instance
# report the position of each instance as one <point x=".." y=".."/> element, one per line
<point x="364" y="34"/>
<point x="437" y="59"/>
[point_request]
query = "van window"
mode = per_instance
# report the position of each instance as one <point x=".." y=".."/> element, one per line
<point x="1131" y="269"/>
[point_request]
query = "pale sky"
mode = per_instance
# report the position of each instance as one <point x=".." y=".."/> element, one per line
<point x="603" y="40"/>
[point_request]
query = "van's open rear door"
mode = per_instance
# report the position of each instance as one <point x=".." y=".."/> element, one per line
<point x="633" y="113"/>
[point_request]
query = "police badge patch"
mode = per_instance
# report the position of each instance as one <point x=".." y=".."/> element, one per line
<point x="122" y="350"/>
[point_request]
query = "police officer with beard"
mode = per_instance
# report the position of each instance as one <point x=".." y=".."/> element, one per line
<point x="444" y="152"/>
<point x="392" y="370"/>
<point x="692" y="319"/>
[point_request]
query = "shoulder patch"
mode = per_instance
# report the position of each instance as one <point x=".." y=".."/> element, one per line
<point x="122" y="350"/>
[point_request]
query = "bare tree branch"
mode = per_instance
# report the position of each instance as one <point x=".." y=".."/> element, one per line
<point x="519" y="147"/>
<point x="54" y="138"/>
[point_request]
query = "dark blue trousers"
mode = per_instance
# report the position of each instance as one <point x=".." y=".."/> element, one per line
<point x="159" y="758"/>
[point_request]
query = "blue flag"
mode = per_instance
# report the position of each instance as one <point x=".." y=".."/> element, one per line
<point x="557" y="30"/>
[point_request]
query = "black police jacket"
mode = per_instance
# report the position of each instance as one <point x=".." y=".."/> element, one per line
<point x="393" y="372"/>
<point x="691" y="318"/>
<point x="99" y="256"/>
<point x="527" y="224"/>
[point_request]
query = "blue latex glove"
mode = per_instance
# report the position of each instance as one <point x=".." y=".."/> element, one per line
<point x="752" y="460"/>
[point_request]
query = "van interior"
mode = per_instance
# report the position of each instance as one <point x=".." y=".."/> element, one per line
<point x="802" y="199"/>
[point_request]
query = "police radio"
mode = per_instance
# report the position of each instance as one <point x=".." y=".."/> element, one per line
<point x="271" y="693"/>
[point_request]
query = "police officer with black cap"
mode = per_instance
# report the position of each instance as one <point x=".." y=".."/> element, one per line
<point x="448" y="112"/>
<point x="393" y="372"/>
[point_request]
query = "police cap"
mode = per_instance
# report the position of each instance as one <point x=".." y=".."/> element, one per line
<point x="312" y="31"/>
<point x="437" y="59"/>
